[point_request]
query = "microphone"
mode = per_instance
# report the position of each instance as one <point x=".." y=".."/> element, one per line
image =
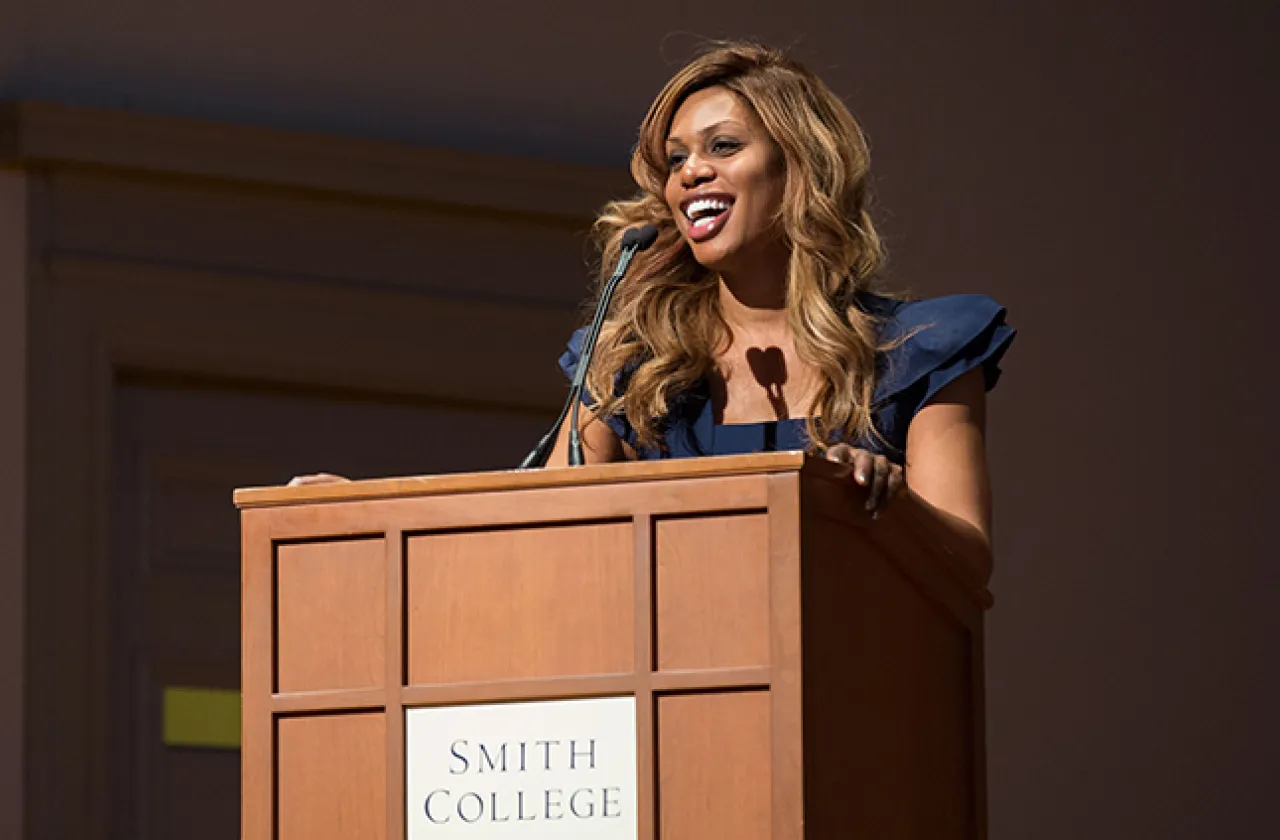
<point x="633" y="241"/>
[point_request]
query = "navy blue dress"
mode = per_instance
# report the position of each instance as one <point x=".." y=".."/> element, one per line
<point x="948" y="337"/>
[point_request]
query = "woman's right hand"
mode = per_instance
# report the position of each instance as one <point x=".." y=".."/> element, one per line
<point x="883" y="479"/>
<point x="317" y="478"/>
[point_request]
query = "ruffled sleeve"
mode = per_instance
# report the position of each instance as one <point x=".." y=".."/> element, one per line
<point x="941" y="340"/>
<point x="569" y="364"/>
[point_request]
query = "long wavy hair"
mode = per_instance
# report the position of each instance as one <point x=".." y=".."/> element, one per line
<point x="665" y="327"/>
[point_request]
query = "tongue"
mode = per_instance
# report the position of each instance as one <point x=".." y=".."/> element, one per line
<point x="703" y="223"/>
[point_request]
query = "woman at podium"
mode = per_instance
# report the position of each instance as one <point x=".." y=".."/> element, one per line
<point x="754" y="321"/>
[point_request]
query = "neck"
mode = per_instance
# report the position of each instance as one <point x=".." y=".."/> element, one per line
<point x="755" y="298"/>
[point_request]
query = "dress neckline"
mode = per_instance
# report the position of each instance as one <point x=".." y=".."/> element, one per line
<point x="759" y="423"/>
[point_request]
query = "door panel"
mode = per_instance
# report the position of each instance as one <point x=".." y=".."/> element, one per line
<point x="175" y="575"/>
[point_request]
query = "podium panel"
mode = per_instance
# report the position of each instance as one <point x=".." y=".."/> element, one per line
<point x="712" y="588"/>
<point x="332" y="772"/>
<point x="520" y="603"/>
<point x="330" y="615"/>
<point x="713" y="765"/>
<point x="788" y="667"/>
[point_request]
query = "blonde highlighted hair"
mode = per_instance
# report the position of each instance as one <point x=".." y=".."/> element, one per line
<point x="665" y="327"/>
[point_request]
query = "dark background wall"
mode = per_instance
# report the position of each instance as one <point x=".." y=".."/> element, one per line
<point x="12" y="490"/>
<point x="1105" y="170"/>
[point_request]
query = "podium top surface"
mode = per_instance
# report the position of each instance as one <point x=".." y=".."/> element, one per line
<point x="435" y="485"/>
<point x="911" y="517"/>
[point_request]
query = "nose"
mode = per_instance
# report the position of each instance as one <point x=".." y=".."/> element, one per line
<point x="696" y="170"/>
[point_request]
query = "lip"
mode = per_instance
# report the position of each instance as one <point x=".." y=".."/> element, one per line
<point x="702" y="234"/>
<point x="705" y="232"/>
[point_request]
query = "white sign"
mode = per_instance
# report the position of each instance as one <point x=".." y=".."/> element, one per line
<point x="561" y="769"/>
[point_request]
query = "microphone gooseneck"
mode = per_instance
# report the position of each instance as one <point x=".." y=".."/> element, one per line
<point x="633" y="241"/>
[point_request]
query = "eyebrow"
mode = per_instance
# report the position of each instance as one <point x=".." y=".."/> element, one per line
<point x="708" y="130"/>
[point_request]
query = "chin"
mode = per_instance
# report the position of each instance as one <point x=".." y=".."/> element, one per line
<point x="713" y="255"/>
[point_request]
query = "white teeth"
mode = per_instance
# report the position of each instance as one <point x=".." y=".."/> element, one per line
<point x="702" y="206"/>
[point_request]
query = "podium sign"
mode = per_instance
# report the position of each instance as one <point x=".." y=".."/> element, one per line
<point x="563" y="769"/>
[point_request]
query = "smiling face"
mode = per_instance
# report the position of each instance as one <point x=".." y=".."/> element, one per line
<point x="725" y="180"/>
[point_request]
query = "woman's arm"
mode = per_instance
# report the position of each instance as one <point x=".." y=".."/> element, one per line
<point x="947" y="460"/>
<point x="600" y="443"/>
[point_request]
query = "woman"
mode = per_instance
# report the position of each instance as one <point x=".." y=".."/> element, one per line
<point x="751" y="324"/>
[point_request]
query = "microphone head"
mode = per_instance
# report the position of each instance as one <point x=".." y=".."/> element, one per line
<point x="640" y="238"/>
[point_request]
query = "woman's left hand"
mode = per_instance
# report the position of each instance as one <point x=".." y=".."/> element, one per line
<point x="883" y="479"/>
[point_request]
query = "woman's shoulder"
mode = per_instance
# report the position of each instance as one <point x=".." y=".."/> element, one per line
<point x="951" y="311"/>
<point x="931" y="342"/>
<point x="569" y="360"/>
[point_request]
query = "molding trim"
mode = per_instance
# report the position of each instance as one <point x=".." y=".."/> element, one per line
<point x="248" y="326"/>
<point x="94" y="319"/>
<point x="34" y="134"/>
<point x="14" y="433"/>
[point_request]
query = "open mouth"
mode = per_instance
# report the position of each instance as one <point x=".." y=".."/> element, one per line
<point x="707" y="216"/>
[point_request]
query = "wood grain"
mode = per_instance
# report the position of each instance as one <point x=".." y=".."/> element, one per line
<point x="916" y="530"/>
<point x="332" y="777"/>
<point x="514" y="507"/>
<point x="520" y="603"/>
<point x="714" y="775"/>
<point x="786" y="637"/>
<point x="799" y="670"/>
<point x="332" y="700"/>
<point x="434" y="485"/>
<point x="911" y="532"/>
<point x="889" y="725"/>
<point x="331" y="615"/>
<point x="712" y="584"/>
<point x="498" y="691"/>
<point x="257" y="761"/>
<point x="395" y="674"/>
<point x="646" y="729"/>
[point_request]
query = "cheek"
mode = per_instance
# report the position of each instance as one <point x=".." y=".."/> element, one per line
<point x="766" y="203"/>
<point x="672" y="196"/>
<point x="766" y="189"/>
<point x="776" y="186"/>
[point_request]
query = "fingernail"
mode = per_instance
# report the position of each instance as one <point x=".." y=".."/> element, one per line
<point x="862" y="478"/>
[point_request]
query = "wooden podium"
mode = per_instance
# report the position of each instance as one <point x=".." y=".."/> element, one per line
<point x="798" y="670"/>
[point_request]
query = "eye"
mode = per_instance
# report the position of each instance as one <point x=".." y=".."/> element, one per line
<point x="675" y="159"/>
<point x="725" y="146"/>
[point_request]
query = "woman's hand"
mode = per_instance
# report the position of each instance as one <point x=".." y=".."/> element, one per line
<point x="317" y="478"/>
<point x="883" y="479"/>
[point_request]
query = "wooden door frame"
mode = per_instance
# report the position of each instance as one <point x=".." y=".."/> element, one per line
<point x="90" y="318"/>
<point x="13" y="437"/>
